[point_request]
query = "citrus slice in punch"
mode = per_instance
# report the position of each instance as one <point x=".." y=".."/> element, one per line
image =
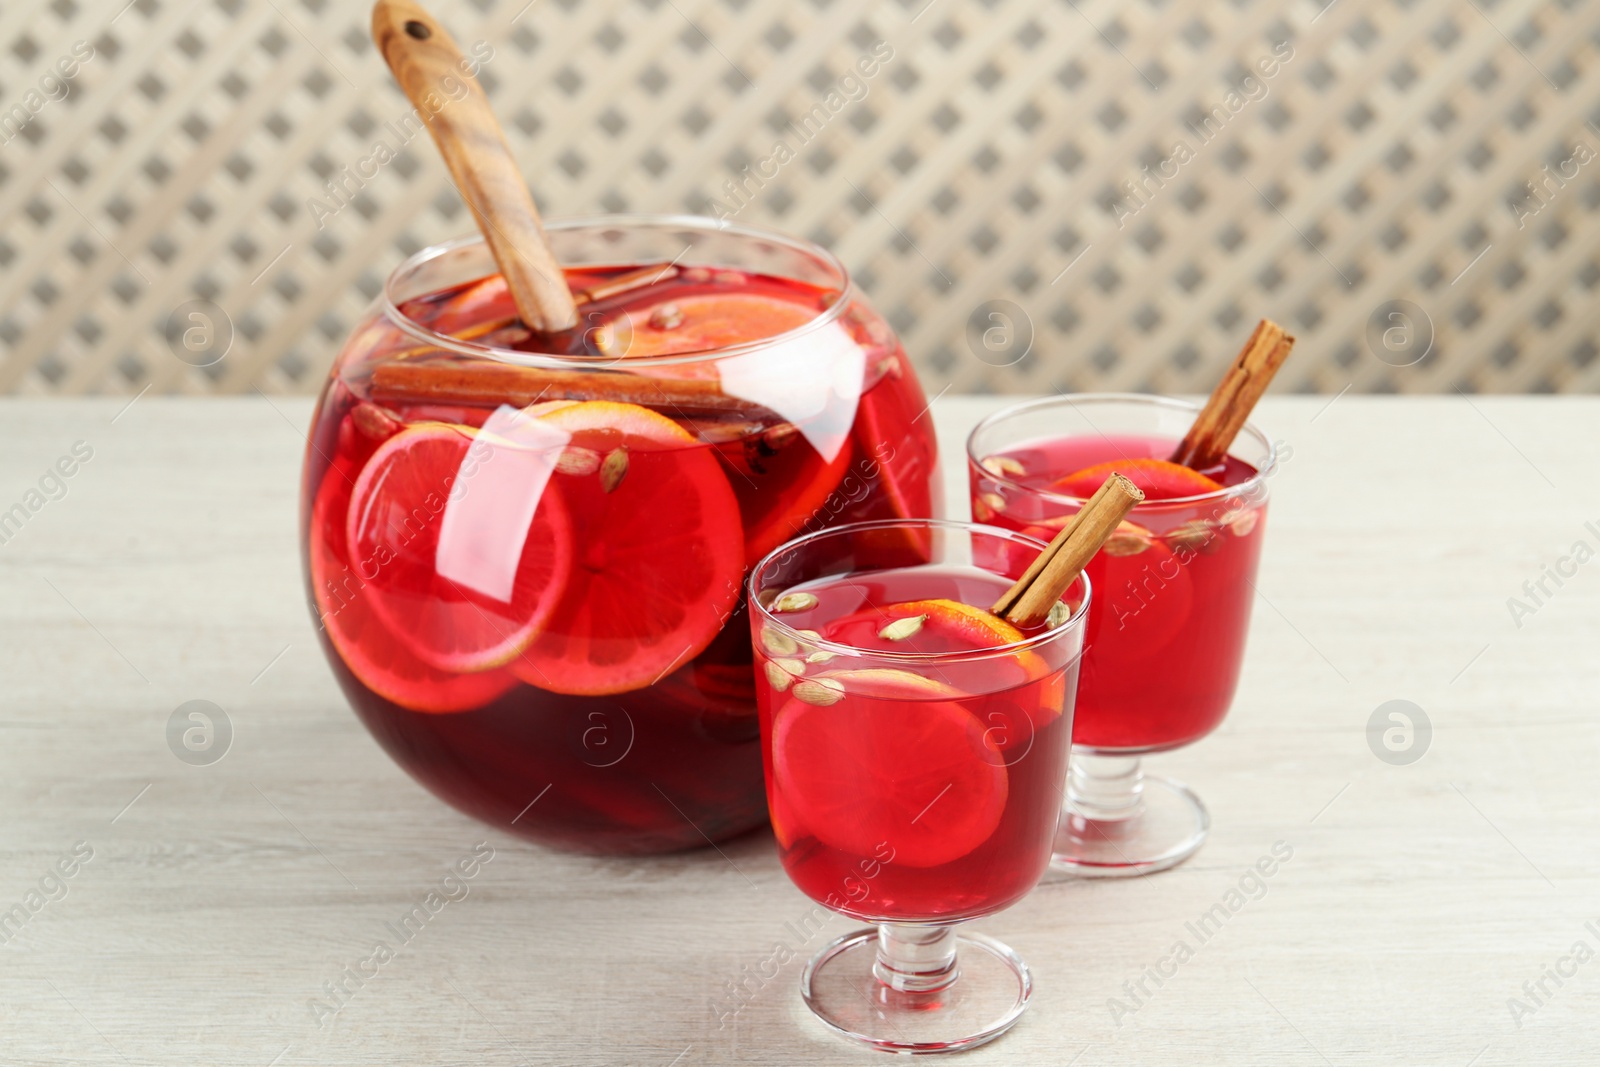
<point x="808" y="481"/>
<point x="479" y="304"/>
<point x="701" y="323"/>
<point x="658" y="553"/>
<point x="461" y="604"/>
<point x="373" y="654"/>
<point x="900" y="461"/>
<point x="927" y="627"/>
<point x="906" y="462"/>
<point x="1159" y="478"/>
<point x="940" y="627"/>
<point x="1149" y="596"/>
<point x="893" y="766"/>
<point x="1143" y="592"/>
<point x="891" y="682"/>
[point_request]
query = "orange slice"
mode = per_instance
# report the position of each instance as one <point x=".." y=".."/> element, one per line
<point x="788" y="513"/>
<point x="397" y="513"/>
<point x="889" y="682"/>
<point x="657" y="557"/>
<point x="1160" y="479"/>
<point x="486" y="301"/>
<point x="371" y="652"/>
<point x="843" y="771"/>
<point x="901" y="460"/>
<point x="700" y="324"/>
<point x="946" y="626"/>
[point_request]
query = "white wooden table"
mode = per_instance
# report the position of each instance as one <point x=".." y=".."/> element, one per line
<point x="219" y="899"/>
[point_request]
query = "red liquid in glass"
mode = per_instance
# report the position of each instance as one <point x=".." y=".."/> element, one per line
<point x="672" y="760"/>
<point x="1171" y="604"/>
<point x="923" y="792"/>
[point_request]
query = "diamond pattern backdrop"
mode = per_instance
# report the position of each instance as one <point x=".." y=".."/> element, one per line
<point x="1041" y="194"/>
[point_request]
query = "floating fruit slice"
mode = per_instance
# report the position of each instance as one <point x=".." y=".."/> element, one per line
<point x="903" y="456"/>
<point x="701" y="323"/>
<point x="923" y="626"/>
<point x="1142" y="591"/>
<point x="397" y="516"/>
<point x="658" y="558"/>
<point x="1160" y="479"/>
<point x="956" y="625"/>
<point x="1009" y="724"/>
<point x="935" y="627"/>
<point x="1128" y="539"/>
<point x="773" y="516"/>
<point x="378" y="659"/>
<point x="891" y="683"/>
<point x="1143" y="597"/>
<point x="785" y="827"/>
<point x="844" y="771"/>
<point x="900" y="461"/>
<point x="481" y="304"/>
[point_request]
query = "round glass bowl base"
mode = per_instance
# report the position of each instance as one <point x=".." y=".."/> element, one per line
<point x="985" y="995"/>
<point x="1166" y="827"/>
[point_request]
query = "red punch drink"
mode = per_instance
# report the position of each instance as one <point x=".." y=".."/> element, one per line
<point x="1173" y="590"/>
<point x="943" y="775"/>
<point x="526" y="553"/>
<point x="1175" y="582"/>
<point x="915" y="750"/>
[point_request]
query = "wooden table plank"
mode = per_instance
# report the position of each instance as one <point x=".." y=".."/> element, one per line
<point x="219" y="899"/>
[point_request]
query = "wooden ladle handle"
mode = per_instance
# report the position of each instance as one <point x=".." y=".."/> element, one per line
<point x="437" y="78"/>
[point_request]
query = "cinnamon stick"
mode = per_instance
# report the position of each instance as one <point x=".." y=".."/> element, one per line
<point x="1230" y="403"/>
<point x="1028" y="602"/>
<point x="622" y="283"/>
<point x="429" y="66"/>
<point x="486" y="383"/>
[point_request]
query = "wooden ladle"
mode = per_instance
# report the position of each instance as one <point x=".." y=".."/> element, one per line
<point x="423" y="56"/>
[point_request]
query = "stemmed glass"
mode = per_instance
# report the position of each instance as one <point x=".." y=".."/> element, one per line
<point x="915" y="748"/>
<point x="1166" y="638"/>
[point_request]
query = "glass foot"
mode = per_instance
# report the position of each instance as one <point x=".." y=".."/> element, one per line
<point x="1119" y="823"/>
<point x="917" y="989"/>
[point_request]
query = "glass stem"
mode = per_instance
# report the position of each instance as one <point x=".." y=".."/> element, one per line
<point x="916" y="958"/>
<point x="1104" y="788"/>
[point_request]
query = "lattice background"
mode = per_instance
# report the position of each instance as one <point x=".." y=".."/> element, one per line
<point x="983" y="164"/>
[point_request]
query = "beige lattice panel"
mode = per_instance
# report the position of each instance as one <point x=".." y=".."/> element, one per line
<point x="978" y="180"/>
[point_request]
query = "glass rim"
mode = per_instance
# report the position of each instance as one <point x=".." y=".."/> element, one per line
<point x="1077" y="618"/>
<point x="624" y="220"/>
<point x="1246" y="488"/>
